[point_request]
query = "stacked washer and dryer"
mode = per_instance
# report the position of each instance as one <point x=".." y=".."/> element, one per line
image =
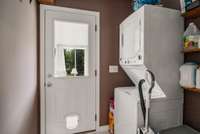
<point x="151" y="38"/>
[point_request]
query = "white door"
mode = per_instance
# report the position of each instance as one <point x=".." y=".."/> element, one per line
<point x="70" y="65"/>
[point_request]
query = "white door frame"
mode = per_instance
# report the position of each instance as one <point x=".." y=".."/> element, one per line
<point x="43" y="9"/>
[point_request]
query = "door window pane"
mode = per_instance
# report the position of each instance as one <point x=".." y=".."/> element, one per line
<point x="74" y="62"/>
<point x="71" y="49"/>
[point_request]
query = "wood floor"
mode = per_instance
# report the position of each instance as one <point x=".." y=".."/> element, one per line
<point x="99" y="133"/>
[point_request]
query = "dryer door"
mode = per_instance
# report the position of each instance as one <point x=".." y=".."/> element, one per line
<point x="131" y="49"/>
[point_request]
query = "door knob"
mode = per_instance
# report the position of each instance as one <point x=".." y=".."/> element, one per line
<point x="49" y="84"/>
<point x="49" y="75"/>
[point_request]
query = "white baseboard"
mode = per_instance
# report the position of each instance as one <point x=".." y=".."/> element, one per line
<point x="102" y="128"/>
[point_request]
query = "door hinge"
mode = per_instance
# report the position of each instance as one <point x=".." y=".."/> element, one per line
<point x="95" y="72"/>
<point x="54" y="52"/>
<point x="122" y="38"/>
<point x="95" y="117"/>
<point x="96" y="28"/>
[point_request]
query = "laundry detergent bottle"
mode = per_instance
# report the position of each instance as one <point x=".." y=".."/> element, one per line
<point x="139" y="3"/>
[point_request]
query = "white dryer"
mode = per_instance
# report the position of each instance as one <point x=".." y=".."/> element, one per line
<point x="151" y="38"/>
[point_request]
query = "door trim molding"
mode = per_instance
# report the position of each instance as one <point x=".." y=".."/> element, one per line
<point x="43" y="9"/>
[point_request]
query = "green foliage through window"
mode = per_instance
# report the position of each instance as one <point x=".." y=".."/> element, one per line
<point x="70" y="61"/>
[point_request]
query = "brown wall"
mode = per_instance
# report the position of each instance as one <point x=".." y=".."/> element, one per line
<point x="174" y="4"/>
<point x="112" y="13"/>
<point x="18" y="86"/>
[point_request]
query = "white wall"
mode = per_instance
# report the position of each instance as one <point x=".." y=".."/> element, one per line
<point x="18" y="83"/>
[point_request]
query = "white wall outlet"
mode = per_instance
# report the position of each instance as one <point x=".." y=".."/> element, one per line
<point x="113" y="69"/>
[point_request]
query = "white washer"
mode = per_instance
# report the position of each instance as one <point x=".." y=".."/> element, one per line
<point x="128" y="115"/>
<point x="150" y="39"/>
